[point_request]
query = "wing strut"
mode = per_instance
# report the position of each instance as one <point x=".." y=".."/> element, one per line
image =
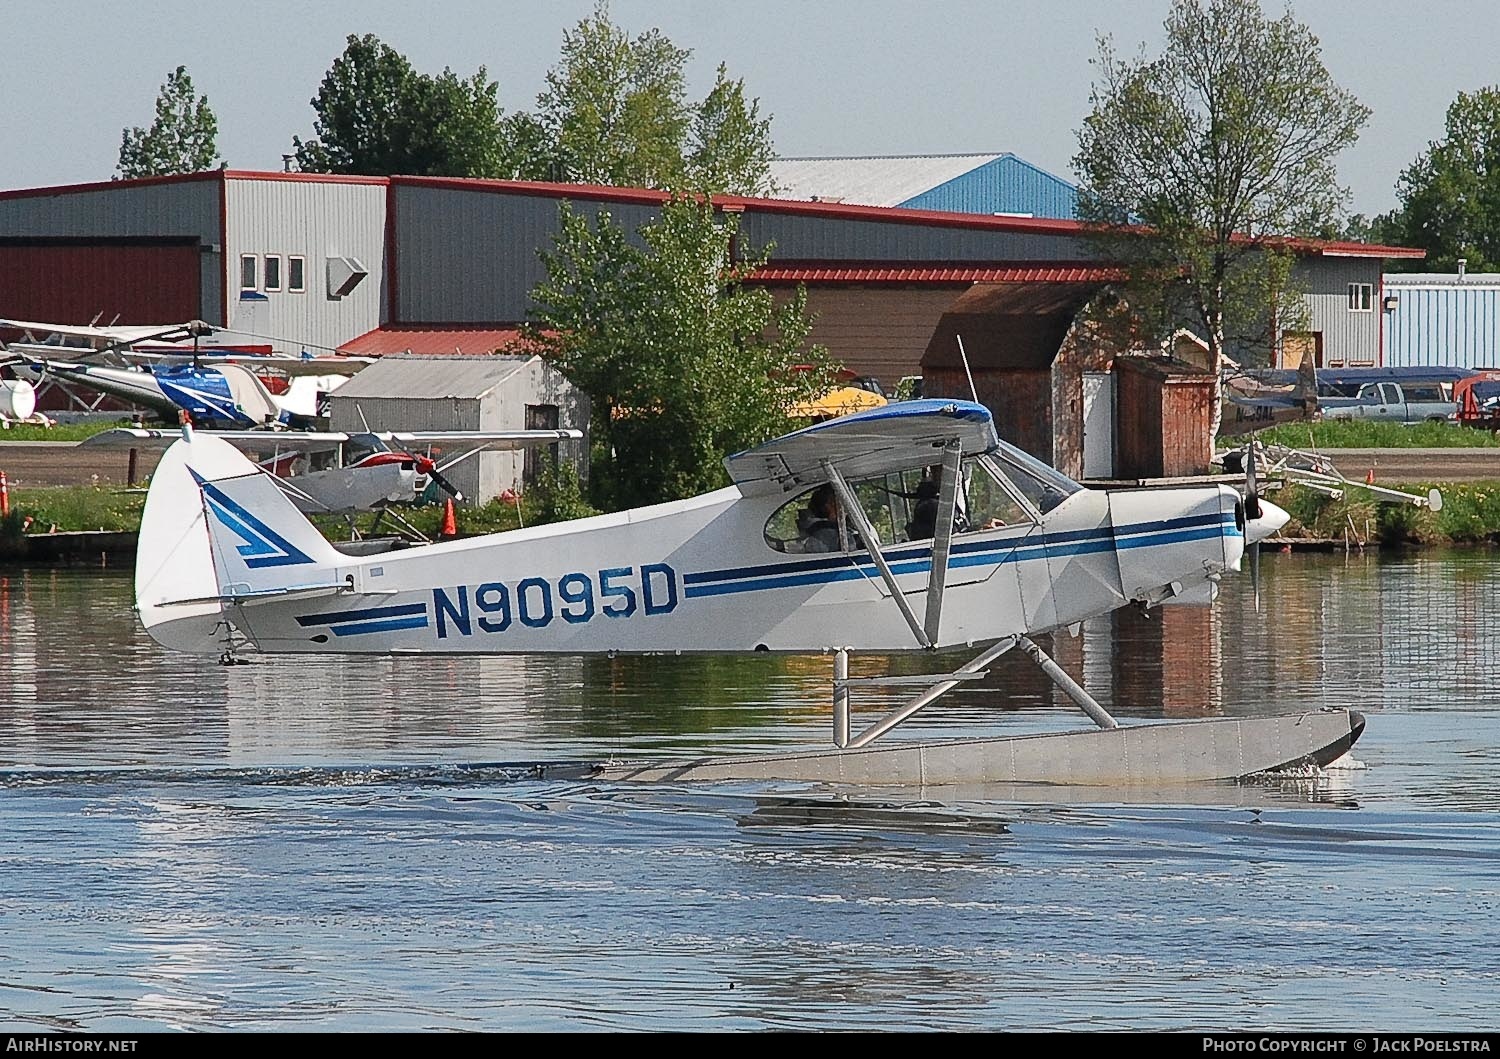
<point x="867" y="535"/>
<point x="942" y="538"/>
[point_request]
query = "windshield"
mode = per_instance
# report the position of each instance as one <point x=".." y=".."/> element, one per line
<point x="903" y="508"/>
<point x="1042" y="485"/>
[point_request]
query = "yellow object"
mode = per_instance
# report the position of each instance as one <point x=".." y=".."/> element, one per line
<point x="840" y="402"/>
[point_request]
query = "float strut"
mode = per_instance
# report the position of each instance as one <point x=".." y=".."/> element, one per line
<point x="841" y="698"/>
<point x="1098" y="714"/>
<point x="940" y="688"/>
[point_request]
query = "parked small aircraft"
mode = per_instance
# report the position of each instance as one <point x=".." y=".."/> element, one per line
<point x="807" y="552"/>
<point x="333" y="472"/>
<point x="219" y="385"/>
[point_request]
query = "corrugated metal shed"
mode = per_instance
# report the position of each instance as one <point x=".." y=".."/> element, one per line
<point x="1443" y="318"/>
<point x="994" y="183"/>
<point x="468" y="393"/>
<point x="419" y="378"/>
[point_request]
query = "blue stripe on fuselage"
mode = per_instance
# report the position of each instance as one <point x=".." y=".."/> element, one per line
<point x="975" y="553"/>
<point x="343" y="617"/>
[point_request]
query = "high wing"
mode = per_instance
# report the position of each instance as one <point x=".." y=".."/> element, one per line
<point x="149" y="438"/>
<point x="899" y="436"/>
<point x="478" y="440"/>
<point x="122" y="335"/>
<point x="217" y="354"/>
<point x="470" y="440"/>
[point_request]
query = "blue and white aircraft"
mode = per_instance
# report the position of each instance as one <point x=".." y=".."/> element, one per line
<point x="907" y="528"/>
<point x="213" y="383"/>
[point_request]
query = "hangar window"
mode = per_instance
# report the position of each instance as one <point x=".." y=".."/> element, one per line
<point x="273" y="272"/>
<point x="248" y="272"/>
<point x="1361" y="297"/>
<point x="296" y="274"/>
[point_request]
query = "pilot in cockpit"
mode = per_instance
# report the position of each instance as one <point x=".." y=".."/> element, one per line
<point x="818" y="522"/>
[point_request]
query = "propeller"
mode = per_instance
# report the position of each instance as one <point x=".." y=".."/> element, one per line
<point x="428" y="467"/>
<point x="1252" y="512"/>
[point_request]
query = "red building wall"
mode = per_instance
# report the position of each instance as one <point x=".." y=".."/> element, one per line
<point x="76" y="282"/>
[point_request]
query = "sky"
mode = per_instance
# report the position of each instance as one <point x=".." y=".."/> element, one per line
<point x="858" y="77"/>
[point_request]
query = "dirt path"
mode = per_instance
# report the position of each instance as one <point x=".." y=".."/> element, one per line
<point x="42" y="463"/>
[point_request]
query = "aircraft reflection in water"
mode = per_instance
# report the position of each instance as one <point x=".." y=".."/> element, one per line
<point x="819" y="546"/>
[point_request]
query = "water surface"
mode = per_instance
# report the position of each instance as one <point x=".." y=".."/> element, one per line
<point x="369" y="844"/>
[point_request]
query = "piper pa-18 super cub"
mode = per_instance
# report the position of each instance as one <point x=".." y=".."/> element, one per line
<point x="907" y="528"/>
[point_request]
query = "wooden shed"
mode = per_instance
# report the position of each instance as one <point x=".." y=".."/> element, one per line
<point x="1163" y="414"/>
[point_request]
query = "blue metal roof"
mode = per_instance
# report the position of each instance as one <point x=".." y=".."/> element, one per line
<point x="1006" y="185"/>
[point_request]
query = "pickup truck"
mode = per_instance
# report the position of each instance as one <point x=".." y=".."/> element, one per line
<point x="1393" y="402"/>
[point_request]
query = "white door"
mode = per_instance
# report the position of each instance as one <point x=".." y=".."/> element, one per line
<point x="1098" y="425"/>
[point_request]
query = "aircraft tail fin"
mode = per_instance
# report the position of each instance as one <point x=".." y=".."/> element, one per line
<point x="217" y="531"/>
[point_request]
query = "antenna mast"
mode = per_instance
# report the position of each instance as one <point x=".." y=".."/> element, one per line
<point x="965" y="357"/>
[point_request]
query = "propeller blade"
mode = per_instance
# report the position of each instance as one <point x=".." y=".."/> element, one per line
<point x="1253" y="511"/>
<point x="1252" y="483"/>
<point x="1255" y="573"/>
<point x="443" y="484"/>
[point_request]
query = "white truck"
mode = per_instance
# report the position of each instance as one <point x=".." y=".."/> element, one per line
<point x="1394" y="402"/>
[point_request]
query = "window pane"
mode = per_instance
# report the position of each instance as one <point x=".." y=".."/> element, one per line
<point x="985" y="503"/>
<point x="273" y="272"/>
<point x="295" y="278"/>
<point x="247" y="272"/>
<point x="1044" y="486"/>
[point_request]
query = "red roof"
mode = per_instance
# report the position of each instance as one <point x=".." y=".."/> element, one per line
<point x="1326" y="248"/>
<point x="728" y="203"/>
<point x="404" y="338"/>
<point x="189" y="178"/>
<point x="745" y="204"/>
<point x="781" y="272"/>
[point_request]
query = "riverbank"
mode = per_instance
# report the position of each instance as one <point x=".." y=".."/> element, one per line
<point x="91" y="524"/>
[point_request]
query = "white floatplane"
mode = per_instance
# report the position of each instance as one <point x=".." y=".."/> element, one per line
<point x="910" y="527"/>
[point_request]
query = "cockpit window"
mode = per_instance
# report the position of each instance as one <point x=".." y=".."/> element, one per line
<point x="1042" y="485"/>
<point x="902" y="507"/>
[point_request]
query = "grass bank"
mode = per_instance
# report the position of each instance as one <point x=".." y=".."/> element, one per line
<point x="1362" y="434"/>
<point x="94" y="508"/>
<point x="61" y="432"/>
<point x="1470" y="515"/>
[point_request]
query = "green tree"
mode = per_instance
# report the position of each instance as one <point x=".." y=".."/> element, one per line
<point x="683" y="361"/>
<point x="1196" y="165"/>
<point x="1450" y="196"/>
<point x="180" y="140"/>
<point x="615" y="108"/>
<point x="730" y="148"/>
<point x="378" y="115"/>
<point x="615" y="111"/>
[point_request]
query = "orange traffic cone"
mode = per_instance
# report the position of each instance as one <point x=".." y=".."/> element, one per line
<point x="450" y="523"/>
<point x="1370" y="477"/>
